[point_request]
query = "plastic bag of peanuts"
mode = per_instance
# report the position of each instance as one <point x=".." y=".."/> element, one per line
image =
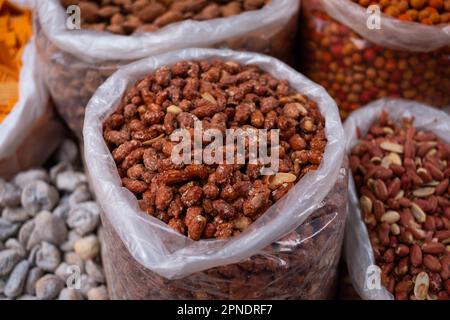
<point x="290" y="252"/>
<point x="359" y="55"/>
<point x="118" y="32"/>
<point x="396" y="242"/>
<point x="30" y="132"/>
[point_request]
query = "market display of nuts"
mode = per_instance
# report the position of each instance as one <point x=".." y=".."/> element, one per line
<point x="406" y="206"/>
<point x="211" y="200"/>
<point x="424" y="11"/>
<point x="72" y="80"/>
<point x="301" y="265"/>
<point x="126" y="17"/>
<point x="355" y="71"/>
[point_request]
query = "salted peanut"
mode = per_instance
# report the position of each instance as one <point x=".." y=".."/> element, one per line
<point x="196" y="227"/>
<point x="135" y="186"/>
<point x="242" y="222"/>
<point x="230" y="9"/>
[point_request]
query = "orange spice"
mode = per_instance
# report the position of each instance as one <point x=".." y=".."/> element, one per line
<point x="15" y="31"/>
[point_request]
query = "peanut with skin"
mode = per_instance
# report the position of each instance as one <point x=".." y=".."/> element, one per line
<point x="408" y="225"/>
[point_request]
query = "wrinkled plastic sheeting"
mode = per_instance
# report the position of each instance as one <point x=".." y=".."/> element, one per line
<point x="91" y="46"/>
<point x="393" y="33"/>
<point x="78" y="61"/>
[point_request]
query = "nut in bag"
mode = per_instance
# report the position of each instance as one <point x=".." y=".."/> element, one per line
<point x="178" y="266"/>
<point x="398" y="226"/>
<point x="78" y="61"/>
<point x="357" y="64"/>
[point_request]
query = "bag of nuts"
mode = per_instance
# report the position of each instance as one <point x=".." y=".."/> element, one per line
<point x="30" y="132"/>
<point x="238" y="244"/>
<point x="360" y="55"/>
<point x="119" y="32"/>
<point x="398" y="231"/>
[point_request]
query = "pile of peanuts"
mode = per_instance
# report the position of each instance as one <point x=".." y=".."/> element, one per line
<point x="217" y="200"/>
<point x="300" y="265"/>
<point x="402" y="176"/>
<point x="128" y="16"/>
<point x="355" y="71"/>
<point x="424" y="11"/>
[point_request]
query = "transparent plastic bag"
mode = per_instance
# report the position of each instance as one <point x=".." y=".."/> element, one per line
<point x="30" y="132"/>
<point x="301" y="265"/>
<point x="78" y="61"/>
<point x="358" y="65"/>
<point x="357" y="249"/>
<point x="394" y="34"/>
<point x="166" y="254"/>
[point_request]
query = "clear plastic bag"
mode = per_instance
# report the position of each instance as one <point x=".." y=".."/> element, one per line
<point x="357" y="249"/>
<point x="394" y="34"/>
<point x="30" y="132"/>
<point x="358" y="65"/>
<point x="159" y="253"/>
<point x="301" y="265"/>
<point x="78" y="61"/>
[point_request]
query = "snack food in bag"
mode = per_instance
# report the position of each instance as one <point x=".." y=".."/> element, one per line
<point x="296" y="241"/>
<point x="78" y="61"/>
<point x="398" y="226"/>
<point x="358" y="64"/>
